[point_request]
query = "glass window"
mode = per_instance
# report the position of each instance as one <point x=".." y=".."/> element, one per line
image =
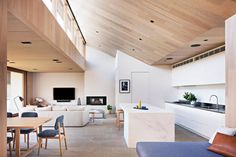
<point x="15" y="88"/>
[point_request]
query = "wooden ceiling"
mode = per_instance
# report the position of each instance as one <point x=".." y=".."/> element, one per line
<point x="153" y="30"/>
<point x="35" y="57"/>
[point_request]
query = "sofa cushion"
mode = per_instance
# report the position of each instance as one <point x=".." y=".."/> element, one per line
<point x="75" y="108"/>
<point x="224" y="145"/>
<point x="48" y="133"/>
<point x="59" y="108"/>
<point x="48" y="108"/>
<point x="174" y="149"/>
<point x="28" y="108"/>
<point x="226" y="131"/>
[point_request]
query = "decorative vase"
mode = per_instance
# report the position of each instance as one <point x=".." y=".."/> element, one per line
<point x="192" y="102"/>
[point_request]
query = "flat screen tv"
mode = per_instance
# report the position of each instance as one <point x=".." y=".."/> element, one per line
<point x="64" y="94"/>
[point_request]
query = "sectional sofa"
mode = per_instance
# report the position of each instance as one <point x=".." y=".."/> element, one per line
<point x="73" y="115"/>
<point x="174" y="149"/>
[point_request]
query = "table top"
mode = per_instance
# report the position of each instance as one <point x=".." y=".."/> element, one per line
<point x="26" y="122"/>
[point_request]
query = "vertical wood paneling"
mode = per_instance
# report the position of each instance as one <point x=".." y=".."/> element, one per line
<point x="29" y="94"/>
<point x="230" y="40"/>
<point x="3" y="76"/>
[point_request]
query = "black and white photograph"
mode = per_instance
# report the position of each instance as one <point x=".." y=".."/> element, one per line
<point x="124" y="86"/>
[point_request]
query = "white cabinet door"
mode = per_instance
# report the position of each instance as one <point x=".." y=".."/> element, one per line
<point x="202" y="122"/>
<point x="210" y="70"/>
<point x="139" y="87"/>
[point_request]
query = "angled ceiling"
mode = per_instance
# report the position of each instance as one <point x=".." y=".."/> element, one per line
<point x="153" y="30"/>
<point x="35" y="57"/>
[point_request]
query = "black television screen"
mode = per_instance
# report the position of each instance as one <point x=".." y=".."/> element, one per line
<point x="64" y="93"/>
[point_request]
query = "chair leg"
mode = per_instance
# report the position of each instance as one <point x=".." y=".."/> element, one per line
<point x="65" y="142"/>
<point x="14" y="140"/>
<point x="60" y="146"/>
<point x="27" y="141"/>
<point x="36" y="134"/>
<point x="46" y="143"/>
<point x="10" y="149"/>
<point x="39" y="143"/>
<point x="24" y="138"/>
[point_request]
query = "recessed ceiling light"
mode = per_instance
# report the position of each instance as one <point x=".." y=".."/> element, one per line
<point x="12" y="62"/>
<point x="195" y="45"/>
<point x="55" y="60"/>
<point x="97" y="31"/>
<point x="26" y="42"/>
<point x="205" y="40"/>
<point x="140" y="39"/>
<point x="152" y="21"/>
<point x="169" y="58"/>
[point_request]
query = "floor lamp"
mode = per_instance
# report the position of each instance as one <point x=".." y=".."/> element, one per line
<point x="20" y="98"/>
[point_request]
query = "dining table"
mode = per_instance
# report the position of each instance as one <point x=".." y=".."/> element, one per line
<point x="18" y="123"/>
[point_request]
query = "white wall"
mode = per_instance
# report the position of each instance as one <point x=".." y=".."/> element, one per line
<point x="100" y="75"/>
<point x="203" y="93"/>
<point x="160" y="88"/>
<point x="43" y="84"/>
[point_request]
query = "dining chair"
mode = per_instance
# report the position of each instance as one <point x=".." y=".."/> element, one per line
<point x="9" y="140"/>
<point x="10" y="115"/>
<point x="57" y="133"/>
<point x="27" y="131"/>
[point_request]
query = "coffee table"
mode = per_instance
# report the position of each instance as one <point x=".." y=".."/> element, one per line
<point x="93" y="112"/>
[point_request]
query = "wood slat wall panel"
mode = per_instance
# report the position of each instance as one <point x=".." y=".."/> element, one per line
<point x="3" y="77"/>
<point x="230" y="72"/>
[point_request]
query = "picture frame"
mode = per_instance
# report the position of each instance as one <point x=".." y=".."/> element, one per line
<point x="124" y="86"/>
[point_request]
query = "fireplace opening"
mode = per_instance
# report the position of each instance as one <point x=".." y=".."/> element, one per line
<point x="96" y="100"/>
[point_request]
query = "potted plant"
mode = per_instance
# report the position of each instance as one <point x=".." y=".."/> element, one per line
<point x="109" y="108"/>
<point x="190" y="97"/>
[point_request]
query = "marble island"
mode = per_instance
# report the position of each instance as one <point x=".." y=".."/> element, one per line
<point x="155" y="124"/>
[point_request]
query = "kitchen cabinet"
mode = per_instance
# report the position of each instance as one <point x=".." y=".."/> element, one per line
<point x="202" y="122"/>
<point x="207" y="71"/>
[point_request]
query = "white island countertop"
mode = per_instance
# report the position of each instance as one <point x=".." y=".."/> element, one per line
<point x="153" y="125"/>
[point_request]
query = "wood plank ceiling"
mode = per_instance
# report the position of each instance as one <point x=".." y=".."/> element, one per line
<point x="153" y="30"/>
<point x="35" y="57"/>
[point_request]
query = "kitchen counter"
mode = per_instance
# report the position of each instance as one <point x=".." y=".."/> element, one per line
<point x="198" y="107"/>
<point x="154" y="124"/>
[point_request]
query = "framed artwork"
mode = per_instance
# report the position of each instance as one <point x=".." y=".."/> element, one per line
<point x="124" y="86"/>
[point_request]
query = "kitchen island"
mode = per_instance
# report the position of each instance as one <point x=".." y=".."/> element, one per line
<point x="154" y="124"/>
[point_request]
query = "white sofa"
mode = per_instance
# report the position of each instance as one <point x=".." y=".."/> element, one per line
<point x="73" y="115"/>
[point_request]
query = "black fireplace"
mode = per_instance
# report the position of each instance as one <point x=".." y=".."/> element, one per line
<point x="96" y="100"/>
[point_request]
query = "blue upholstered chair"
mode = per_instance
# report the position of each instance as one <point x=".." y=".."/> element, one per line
<point x="57" y="133"/>
<point x="28" y="131"/>
<point x="9" y="114"/>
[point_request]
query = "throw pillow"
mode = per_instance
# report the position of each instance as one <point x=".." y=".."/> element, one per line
<point x="226" y="131"/>
<point x="224" y="145"/>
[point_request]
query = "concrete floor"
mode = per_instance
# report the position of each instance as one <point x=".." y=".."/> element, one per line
<point x="100" y="139"/>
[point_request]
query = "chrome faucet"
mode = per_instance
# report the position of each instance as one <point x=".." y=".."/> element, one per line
<point x="217" y="102"/>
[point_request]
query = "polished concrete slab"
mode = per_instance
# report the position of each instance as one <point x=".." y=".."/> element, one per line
<point x="99" y="139"/>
